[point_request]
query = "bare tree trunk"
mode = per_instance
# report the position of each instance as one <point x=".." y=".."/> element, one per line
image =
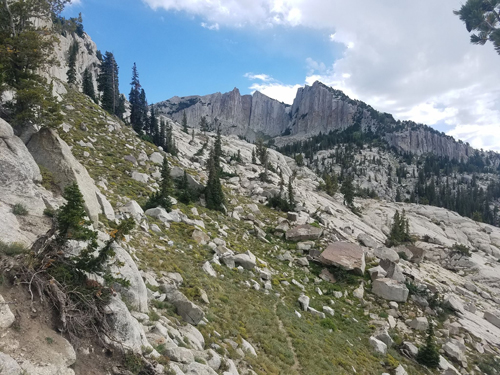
<point x="11" y="19"/>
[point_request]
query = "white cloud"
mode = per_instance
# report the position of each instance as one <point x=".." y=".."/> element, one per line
<point x="260" y="77"/>
<point x="409" y="58"/>
<point x="214" y="26"/>
<point x="272" y="88"/>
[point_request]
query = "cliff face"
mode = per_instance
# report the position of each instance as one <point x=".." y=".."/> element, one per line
<point x="316" y="109"/>
<point x="423" y="141"/>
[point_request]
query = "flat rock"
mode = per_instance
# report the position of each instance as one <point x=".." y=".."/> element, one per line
<point x="345" y="255"/>
<point x="390" y="290"/>
<point x="247" y="260"/>
<point x="384" y="253"/>
<point x="493" y="317"/>
<point x="367" y="241"/>
<point x="303" y="233"/>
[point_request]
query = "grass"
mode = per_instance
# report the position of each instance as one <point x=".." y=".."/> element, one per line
<point x="12" y="249"/>
<point x="322" y="346"/>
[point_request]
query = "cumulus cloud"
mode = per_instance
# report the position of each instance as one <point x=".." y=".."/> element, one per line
<point x="412" y="59"/>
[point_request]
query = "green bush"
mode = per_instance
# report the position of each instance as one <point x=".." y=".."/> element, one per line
<point x="19" y="210"/>
<point x="11" y="249"/>
<point x="329" y="324"/>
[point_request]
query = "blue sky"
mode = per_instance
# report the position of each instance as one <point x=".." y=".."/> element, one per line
<point x="176" y="55"/>
<point x="409" y="58"/>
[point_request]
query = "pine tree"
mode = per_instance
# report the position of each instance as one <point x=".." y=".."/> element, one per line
<point x="214" y="196"/>
<point x="218" y="147"/>
<point x="254" y="160"/>
<point x="400" y="230"/>
<point x="73" y="52"/>
<point x="108" y="83"/>
<point x="153" y="127"/>
<point x="143" y="111"/>
<point x="185" y="194"/>
<point x="203" y="124"/>
<point x="88" y="85"/>
<point x="348" y="190"/>
<point x="184" y="123"/>
<point x="192" y="136"/>
<point x="162" y="197"/>
<point x="428" y="355"/>
<point x="136" y="106"/>
<point x="71" y="219"/>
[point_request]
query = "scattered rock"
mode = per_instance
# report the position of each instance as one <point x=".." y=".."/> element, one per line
<point x="6" y="316"/>
<point x="420" y="323"/>
<point x="189" y="311"/>
<point x="378" y="345"/>
<point x="247" y="260"/>
<point x="200" y="237"/>
<point x="303" y="233"/>
<point x="493" y="317"/>
<point x="207" y="267"/>
<point x="367" y="241"/>
<point x="385" y="253"/>
<point x="348" y="256"/>
<point x="304" y="302"/>
<point x="390" y="290"/>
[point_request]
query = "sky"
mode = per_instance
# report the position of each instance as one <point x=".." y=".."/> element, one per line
<point x="412" y="59"/>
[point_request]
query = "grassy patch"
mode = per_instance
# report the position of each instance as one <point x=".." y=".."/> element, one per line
<point x="12" y="249"/>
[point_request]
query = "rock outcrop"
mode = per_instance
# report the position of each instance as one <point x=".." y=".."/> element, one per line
<point x="50" y="151"/>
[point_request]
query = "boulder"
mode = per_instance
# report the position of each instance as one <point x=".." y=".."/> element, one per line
<point x="304" y="302"/>
<point x="126" y="331"/>
<point x="180" y="354"/>
<point x="305" y="246"/>
<point x="493" y="317"/>
<point x="420" y="323"/>
<point x="7" y="364"/>
<point x="51" y="152"/>
<point x="367" y="241"/>
<point x="161" y="214"/>
<point x="454" y="303"/>
<point x="455" y="350"/>
<point x="195" y="368"/>
<point x="378" y="345"/>
<point x="189" y="311"/>
<point x="390" y="290"/>
<point x="409" y="349"/>
<point x="133" y="209"/>
<point x="303" y="233"/>
<point x="345" y="255"/>
<point x="395" y="272"/>
<point x="123" y="266"/>
<point x="6" y="316"/>
<point x="207" y="267"/>
<point x="140" y="177"/>
<point x="377" y="273"/>
<point x="156" y="158"/>
<point x="384" y="253"/>
<point x="200" y="237"/>
<point x="327" y="276"/>
<point x="247" y="347"/>
<point x="400" y="371"/>
<point x="247" y="260"/>
<point x="106" y="207"/>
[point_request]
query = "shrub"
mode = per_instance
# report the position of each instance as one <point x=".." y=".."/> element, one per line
<point x="403" y="255"/>
<point x="462" y="250"/>
<point x="19" y="210"/>
<point x="11" y="249"/>
<point x="329" y="324"/>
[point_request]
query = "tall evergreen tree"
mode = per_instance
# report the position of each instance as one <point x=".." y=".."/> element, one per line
<point x="136" y="106"/>
<point x="143" y="111"/>
<point x="203" y="124"/>
<point x="88" y="85"/>
<point x="291" y="195"/>
<point x="348" y="190"/>
<point x="108" y="84"/>
<point x="73" y="54"/>
<point x="153" y="126"/>
<point x="214" y="196"/>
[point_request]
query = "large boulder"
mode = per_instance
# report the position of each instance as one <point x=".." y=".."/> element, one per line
<point x="367" y="241"/>
<point x="8" y="366"/>
<point x="303" y="233"/>
<point x="51" y="152"/>
<point x="247" y="260"/>
<point x="126" y="332"/>
<point x="345" y="255"/>
<point x="189" y="311"/>
<point x="390" y="290"/>
<point x="385" y="253"/>
<point x="19" y="173"/>
<point x="123" y="266"/>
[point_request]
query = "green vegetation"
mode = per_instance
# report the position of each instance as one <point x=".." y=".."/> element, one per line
<point x="461" y="250"/>
<point x="111" y="100"/>
<point x="483" y="17"/>
<point x="400" y="230"/>
<point x="428" y="355"/>
<point x="161" y="198"/>
<point x="73" y="52"/>
<point x="19" y="210"/>
<point x="12" y="249"/>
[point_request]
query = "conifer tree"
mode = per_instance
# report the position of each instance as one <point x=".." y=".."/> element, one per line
<point x="184" y="123"/>
<point x="428" y="355"/>
<point x="88" y="85"/>
<point x="214" y="196"/>
<point x="348" y="190"/>
<point x="203" y="124"/>
<point x="108" y="83"/>
<point x="153" y="126"/>
<point x="254" y="160"/>
<point x="400" y="230"/>
<point x="71" y="73"/>
<point x="136" y="106"/>
<point x="185" y="194"/>
<point x="161" y="198"/>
